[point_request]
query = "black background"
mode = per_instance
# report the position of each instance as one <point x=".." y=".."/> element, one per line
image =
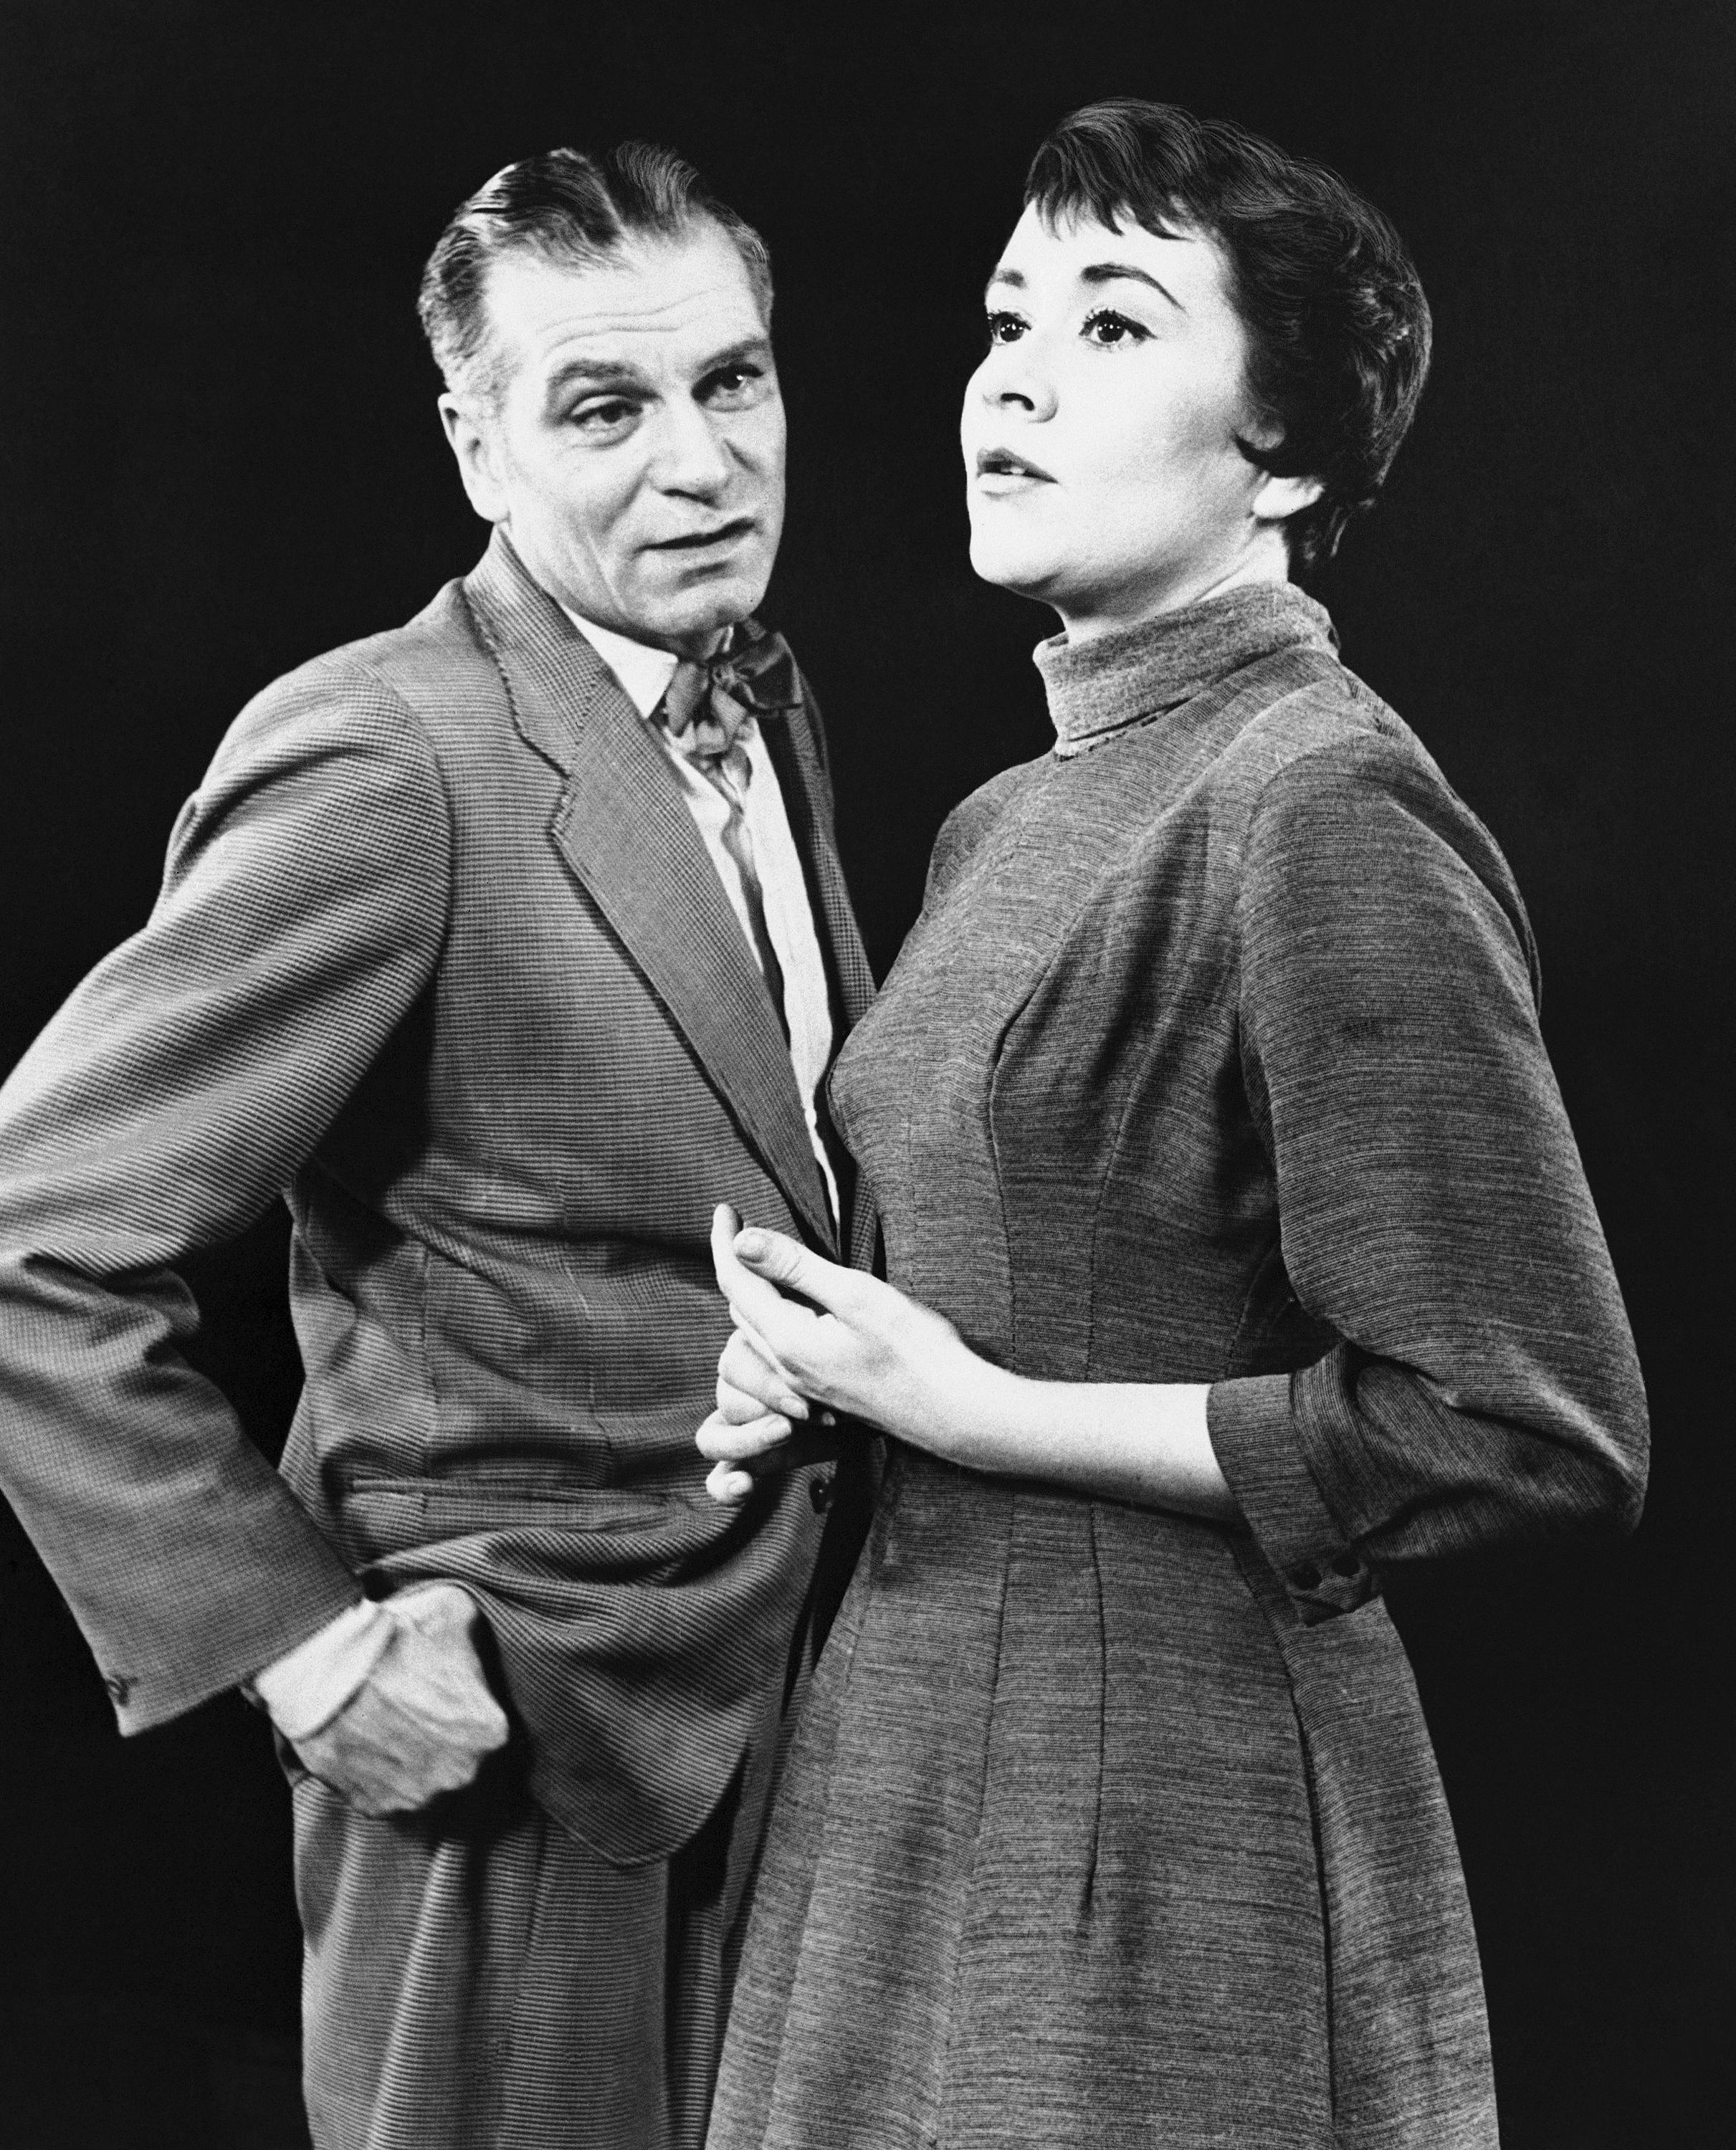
<point x="221" y="455"/>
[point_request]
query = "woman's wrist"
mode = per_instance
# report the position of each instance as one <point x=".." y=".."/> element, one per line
<point x="1149" y="1444"/>
<point x="968" y="1406"/>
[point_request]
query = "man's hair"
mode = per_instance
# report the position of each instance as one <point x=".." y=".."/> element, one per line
<point x="1337" y="325"/>
<point x="564" y="206"/>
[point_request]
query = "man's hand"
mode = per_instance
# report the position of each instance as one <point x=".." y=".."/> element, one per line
<point x="423" y="1720"/>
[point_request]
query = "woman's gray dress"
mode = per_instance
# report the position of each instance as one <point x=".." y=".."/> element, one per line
<point x="1214" y="1058"/>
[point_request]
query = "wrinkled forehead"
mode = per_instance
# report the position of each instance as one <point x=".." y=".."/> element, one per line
<point x="654" y="302"/>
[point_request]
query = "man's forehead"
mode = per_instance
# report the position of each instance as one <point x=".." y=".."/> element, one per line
<point x="653" y="293"/>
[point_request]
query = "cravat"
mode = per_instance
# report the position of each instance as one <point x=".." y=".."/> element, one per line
<point x="709" y="699"/>
<point x="704" y="708"/>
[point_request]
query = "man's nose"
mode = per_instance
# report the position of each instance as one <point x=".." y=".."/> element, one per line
<point x="692" y="455"/>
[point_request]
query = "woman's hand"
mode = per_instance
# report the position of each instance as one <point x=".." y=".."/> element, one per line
<point x="859" y="1349"/>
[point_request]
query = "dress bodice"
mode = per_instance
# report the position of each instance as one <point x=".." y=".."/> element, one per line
<point x="1046" y="1096"/>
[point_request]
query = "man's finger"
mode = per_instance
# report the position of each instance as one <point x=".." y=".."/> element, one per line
<point x="727" y="1482"/>
<point x="760" y="1452"/>
<point x="732" y="1481"/>
<point x="726" y="1441"/>
<point x="739" y="1407"/>
<point x="744" y="1368"/>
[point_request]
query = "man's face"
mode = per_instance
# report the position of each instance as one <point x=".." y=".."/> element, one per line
<point x="635" y="454"/>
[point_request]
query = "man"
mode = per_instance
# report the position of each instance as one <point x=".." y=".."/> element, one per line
<point x="508" y="944"/>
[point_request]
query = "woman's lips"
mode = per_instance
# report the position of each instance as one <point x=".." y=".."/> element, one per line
<point x="1000" y="472"/>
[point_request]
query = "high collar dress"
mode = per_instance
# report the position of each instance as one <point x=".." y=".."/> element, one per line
<point x="1213" y="1057"/>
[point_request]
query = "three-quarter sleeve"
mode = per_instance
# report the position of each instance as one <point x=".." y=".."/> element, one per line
<point x="165" y="1107"/>
<point x="1433" y="1212"/>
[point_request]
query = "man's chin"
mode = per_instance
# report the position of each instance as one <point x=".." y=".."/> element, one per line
<point x="703" y="605"/>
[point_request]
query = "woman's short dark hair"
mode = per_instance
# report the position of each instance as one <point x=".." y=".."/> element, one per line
<point x="568" y="208"/>
<point x="1337" y="324"/>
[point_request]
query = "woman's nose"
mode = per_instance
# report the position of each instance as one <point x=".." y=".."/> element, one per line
<point x="1013" y="378"/>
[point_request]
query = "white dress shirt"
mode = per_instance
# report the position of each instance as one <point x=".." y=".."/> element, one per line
<point x="644" y="675"/>
<point x="305" y="1688"/>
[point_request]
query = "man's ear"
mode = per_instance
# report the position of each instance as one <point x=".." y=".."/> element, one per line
<point x="1276" y="499"/>
<point x="474" y="439"/>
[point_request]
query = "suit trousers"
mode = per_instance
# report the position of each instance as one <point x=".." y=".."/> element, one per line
<point x="477" y="1978"/>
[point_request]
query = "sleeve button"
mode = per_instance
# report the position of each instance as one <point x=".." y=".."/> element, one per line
<point x="1347" y="1564"/>
<point x="819" y="1492"/>
<point x="1307" y="1576"/>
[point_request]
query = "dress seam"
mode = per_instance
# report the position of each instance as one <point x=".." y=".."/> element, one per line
<point x="1244" y="1552"/>
<point x="934" y="2136"/>
<point x="875" y="1556"/>
<point x="1103" y="1713"/>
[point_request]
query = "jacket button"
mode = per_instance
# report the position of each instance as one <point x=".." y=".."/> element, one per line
<point x="118" y="1688"/>
<point x="1347" y="1564"/>
<point x="1305" y="1577"/>
<point x="819" y="1492"/>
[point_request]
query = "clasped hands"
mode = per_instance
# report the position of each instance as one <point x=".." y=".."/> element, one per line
<point x="816" y="1344"/>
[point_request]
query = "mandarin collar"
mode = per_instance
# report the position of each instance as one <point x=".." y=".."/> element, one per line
<point x="1102" y="686"/>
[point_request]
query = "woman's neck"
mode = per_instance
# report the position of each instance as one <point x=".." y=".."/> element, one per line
<point x="1266" y="560"/>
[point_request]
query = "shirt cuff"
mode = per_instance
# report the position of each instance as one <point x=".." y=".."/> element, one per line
<point x="304" y="1689"/>
<point x="1254" y="1437"/>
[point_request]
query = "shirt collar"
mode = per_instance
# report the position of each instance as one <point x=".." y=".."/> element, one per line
<point x="644" y="672"/>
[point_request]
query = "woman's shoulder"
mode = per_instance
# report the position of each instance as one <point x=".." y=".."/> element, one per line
<point x="1336" y="791"/>
<point x="1331" y="736"/>
<point x="972" y="820"/>
<point x="1324" y="717"/>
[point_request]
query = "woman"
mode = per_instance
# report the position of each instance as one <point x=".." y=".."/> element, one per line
<point x="1240" y="1254"/>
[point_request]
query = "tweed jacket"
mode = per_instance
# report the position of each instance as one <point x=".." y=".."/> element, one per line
<point x="441" y="955"/>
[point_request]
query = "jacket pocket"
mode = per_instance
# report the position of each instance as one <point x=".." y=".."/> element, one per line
<point x="392" y="1513"/>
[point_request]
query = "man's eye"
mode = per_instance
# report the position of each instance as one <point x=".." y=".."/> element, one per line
<point x="602" y="418"/>
<point x="735" y="383"/>
<point x="1004" y="328"/>
<point x="1108" y="329"/>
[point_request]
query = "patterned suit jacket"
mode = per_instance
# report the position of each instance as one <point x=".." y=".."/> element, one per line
<point x="441" y="955"/>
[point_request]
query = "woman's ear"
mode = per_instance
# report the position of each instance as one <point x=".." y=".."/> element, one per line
<point x="1276" y="499"/>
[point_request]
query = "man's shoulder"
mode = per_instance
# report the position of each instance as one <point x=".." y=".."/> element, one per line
<point x="416" y="686"/>
<point x="431" y="662"/>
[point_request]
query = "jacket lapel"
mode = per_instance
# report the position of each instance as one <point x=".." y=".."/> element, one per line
<point x="624" y="830"/>
<point x="798" y="753"/>
<point x="808" y="800"/>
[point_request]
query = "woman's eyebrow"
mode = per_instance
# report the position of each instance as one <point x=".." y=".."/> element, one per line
<point x="1098" y="272"/>
<point x="1110" y="272"/>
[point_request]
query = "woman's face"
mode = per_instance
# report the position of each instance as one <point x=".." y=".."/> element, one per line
<point x="1101" y="468"/>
